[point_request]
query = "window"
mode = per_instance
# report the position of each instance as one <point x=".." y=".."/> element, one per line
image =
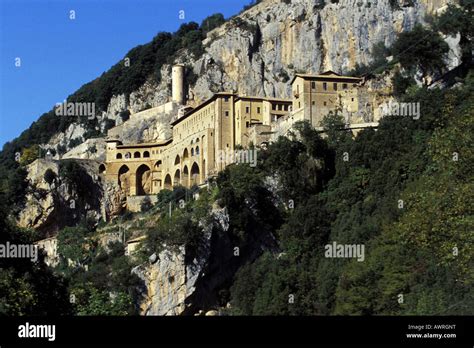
<point x="325" y="86"/>
<point x="286" y="108"/>
<point x="335" y="86"/>
<point x="313" y="85"/>
<point x="247" y="109"/>
<point x="258" y="110"/>
<point x="325" y="103"/>
<point x="299" y="104"/>
<point x="273" y="107"/>
<point x="313" y="102"/>
<point x="119" y="156"/>
<point x="226" y="99"/>
<point x="352" y="99"/>
<point x="247" y="124"/>
<point x="344" y="86"/>
<point x="227" y="113"/>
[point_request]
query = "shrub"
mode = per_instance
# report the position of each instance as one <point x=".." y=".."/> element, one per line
<point x="211" y="22"/>
<point x="422" y="49"/>
<point x="49" y="176"/>
<point x="72" y="244"/>
<point x="125" y="115"/>
<point x="74" y="142"/>
<point x="29" y="155"/>
<point x="401" y="83"/>
<point x="283" y="75"/>
<point x="146" y="204"/>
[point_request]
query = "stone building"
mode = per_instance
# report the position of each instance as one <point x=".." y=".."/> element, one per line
<point x="219" y="125"/>
<point x="251" y="112"/>
<point x="314" y="96"/>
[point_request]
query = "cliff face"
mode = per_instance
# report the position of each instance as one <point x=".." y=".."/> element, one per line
<point x="256" y="52"/>
<point x="53" y="204"/>
<point x="179" y="282"/>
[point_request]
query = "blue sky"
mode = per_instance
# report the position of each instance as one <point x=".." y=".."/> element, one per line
<point x="58" y="55"/>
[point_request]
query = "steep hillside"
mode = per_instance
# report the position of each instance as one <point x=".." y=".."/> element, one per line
<point x="256" y="236"/>
<point x="254" y="53"/>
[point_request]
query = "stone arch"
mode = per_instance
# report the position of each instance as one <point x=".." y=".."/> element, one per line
<point x="118" y="156"/>
<point x="185" y="154"/>
<point x="197" y="140"/>
<point x="128" y="155"/>
<point x="158" y="165"/>
<point x="177" y="160"/>
<point x="192" y="152"/>
<point x="177" y="177"/>
<point x="124" y="179"/>
<point x="168" y="185"/>
<point x="146" y="154"/>
<point x="136" y="154"/>
<point x="197" y="150"/>
<point x="195" y="174"/>
<point x="102" y="168"/>
<point x="185" y="178"/>
<point x="143" y="180"/>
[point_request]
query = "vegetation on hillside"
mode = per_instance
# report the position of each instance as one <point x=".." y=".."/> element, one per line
<point x="403" y="191"/>
<point x="139" y="64"/>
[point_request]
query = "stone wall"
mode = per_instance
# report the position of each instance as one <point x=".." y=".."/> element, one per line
<point x="135" y="203"/>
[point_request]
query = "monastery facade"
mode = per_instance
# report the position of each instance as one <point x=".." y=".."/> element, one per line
<point x="222" y="124"/>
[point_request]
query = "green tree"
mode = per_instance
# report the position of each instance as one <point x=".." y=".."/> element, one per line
<point x="73" y="244"/>
<point x="29" y="155"/>
<point x="459" y="19"/>
<point x="211" y="22"/>
<point x="422" y="49"/>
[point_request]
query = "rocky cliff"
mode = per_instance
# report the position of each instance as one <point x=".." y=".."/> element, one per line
<point x="253" y="53"/>
<point x="177" y="282"/>
<point x="53" y="201"/>
<point x="256" y="52"/>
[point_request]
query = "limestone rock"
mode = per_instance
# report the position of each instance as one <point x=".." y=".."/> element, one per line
<point x="51" y="206"/>
<point x="183" y="283"/>
<point x="89" y="149"/>
<point x="165" y="281"/>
